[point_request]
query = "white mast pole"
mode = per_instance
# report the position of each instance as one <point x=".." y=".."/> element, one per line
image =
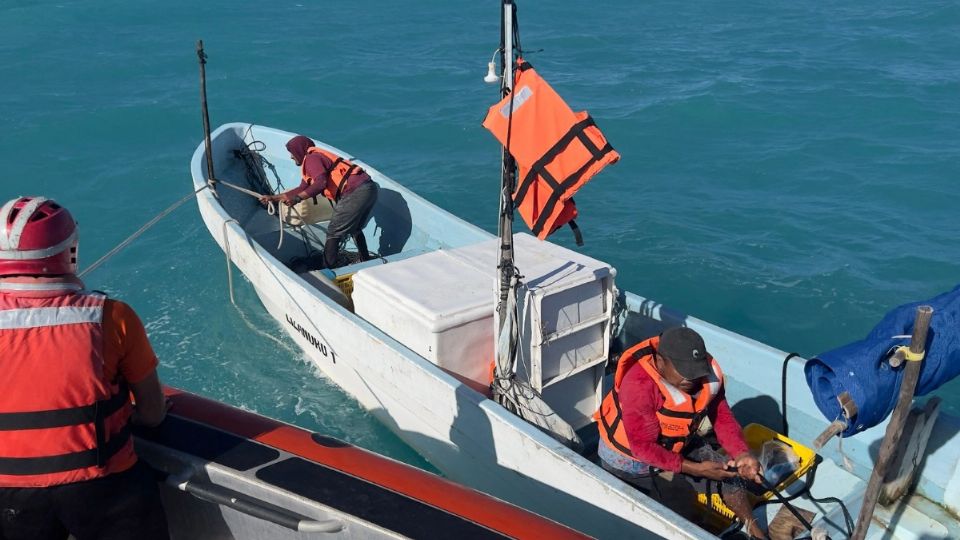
<point x="505" y="346"/>
<point x="515" y="395"/>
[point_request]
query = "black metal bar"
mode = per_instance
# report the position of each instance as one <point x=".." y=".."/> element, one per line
<point x="256" y="508"/>
<point x="202" y="57"/>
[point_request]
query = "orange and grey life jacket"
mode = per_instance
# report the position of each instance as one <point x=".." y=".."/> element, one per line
<point x="340" y="171"/>
<point x="679" y="417"/>
<point x="556" y="149"/>
<point x="60" y="422"/>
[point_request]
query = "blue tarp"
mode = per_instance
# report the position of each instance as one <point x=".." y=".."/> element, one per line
<point x="861" y="368"/>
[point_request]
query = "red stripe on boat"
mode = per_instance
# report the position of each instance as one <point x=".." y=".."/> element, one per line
<point x="414" y="483"/>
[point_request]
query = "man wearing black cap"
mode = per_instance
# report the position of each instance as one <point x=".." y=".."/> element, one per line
<point x="667" y="395"/>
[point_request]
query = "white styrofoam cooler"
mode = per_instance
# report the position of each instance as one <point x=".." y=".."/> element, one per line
<point x="441" y="305"/>
<point x="435" y="304"/>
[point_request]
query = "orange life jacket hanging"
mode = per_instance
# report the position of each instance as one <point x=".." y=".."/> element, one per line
<point x="556" y="149"/>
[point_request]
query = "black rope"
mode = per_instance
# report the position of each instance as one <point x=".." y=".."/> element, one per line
<point x="808" y="483"/>
<point x="783" y="393"/>
<point x="786" y="502"/>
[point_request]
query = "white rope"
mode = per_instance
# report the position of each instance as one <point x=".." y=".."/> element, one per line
<point x="226" y="252"/>
<point x="272" y="208"/>
<point x="140" y="231"/>
<point x="243" y="316"/>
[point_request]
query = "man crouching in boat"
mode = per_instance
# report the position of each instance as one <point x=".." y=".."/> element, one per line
<point x="67" y="356"/>
<point x="667" y="394"/>
<point x="346" y="184"/>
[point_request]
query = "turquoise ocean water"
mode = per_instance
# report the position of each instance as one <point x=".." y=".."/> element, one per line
<point x="789" y="169"/>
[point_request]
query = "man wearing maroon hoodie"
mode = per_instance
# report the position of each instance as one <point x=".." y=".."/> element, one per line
<point x="348" y="186"/>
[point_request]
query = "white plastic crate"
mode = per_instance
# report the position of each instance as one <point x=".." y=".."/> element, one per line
<point x="565" y="304"/>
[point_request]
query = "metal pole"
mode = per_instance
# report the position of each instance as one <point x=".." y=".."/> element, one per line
<point x="891" y="439"/>
<point x="508" y="181"/>
<point x="206" y="116"/>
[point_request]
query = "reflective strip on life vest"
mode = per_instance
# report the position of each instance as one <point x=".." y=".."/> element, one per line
<point x="43" y="286"/>
<point x="14" y="319"/>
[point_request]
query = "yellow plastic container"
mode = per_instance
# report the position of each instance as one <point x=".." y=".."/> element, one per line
<point x="755" y="434"/>
<point x="345" y="282"/>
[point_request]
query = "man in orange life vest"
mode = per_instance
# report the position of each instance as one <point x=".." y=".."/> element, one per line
<point x="667" y="395"/>
<point x="67" y="359"/>
<point x="337" y="179"/>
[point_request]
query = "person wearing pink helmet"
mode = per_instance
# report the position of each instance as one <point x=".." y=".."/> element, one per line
<point x="70" y="360"/>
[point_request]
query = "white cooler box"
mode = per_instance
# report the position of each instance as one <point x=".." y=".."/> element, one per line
<point x="435" y="304"/>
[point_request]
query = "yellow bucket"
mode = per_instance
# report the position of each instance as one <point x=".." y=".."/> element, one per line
<point x="755" y="434"/>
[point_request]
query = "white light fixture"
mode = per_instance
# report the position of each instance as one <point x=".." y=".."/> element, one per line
<point x="491" y="66"/>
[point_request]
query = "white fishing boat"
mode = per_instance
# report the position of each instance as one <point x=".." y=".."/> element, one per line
<point x="411" y="335"/>
<point x="233" y="474"/>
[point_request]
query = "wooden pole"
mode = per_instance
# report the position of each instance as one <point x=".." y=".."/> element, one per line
<point x="892" y="437"/>
<point x="202" y="57"/>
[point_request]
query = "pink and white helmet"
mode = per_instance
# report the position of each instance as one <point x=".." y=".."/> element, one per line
<point x="38" y="237"/>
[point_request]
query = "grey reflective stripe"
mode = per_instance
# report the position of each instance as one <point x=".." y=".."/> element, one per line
<point x="679" y="397"/>
<point x="16" y="229"/>
<point x="38" y="253"/>
<point x="15" y="319"/>
<point x="519" y="98"/>
<point x="4" y="216"/>
<point x="714" y="381"/>
<point x="14" y="286"/>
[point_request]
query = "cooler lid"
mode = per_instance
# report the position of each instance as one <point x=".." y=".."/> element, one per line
<point x="437" y="288"/>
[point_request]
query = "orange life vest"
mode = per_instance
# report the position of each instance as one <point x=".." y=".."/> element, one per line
<point x="679" y="417"/>
<point x="556" y="149"/>
<point x="340" y="171"/>
<point x="60" y="422"/>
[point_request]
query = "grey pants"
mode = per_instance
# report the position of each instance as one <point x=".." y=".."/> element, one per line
<point x="349" y="215"/>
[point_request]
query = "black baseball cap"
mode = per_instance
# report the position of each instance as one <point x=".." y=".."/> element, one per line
<point x="684" y="349"/>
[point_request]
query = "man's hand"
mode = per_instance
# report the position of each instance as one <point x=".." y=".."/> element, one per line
<point x="290" y="199"/>
<point x="707" y="469"/>
<point x="748" y="467"/>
